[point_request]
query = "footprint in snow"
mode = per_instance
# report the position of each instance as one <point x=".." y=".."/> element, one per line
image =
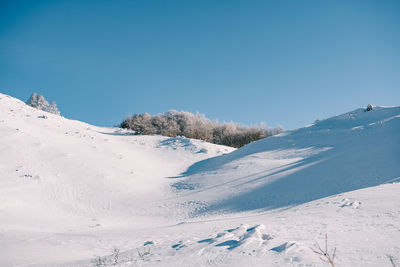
<point x="348" y="203"/>
<point x="30" y="176"/>
<point x="178" y="246"/>
<point x="147" y="243"/>
<point x="266" y="237"/>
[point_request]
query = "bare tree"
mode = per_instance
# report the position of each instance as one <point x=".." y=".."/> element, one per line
<point x="323" y="253"/>
<point x="99" y="261"/>
<point x="391" y="259"/>
<point x="143" y="254"/>
<point x="115" y="255"/>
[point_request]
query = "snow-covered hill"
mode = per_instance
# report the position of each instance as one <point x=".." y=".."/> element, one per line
<point x="69" y="191"/>
<point x="58" y="174"/>
<point x="355" y="150"/>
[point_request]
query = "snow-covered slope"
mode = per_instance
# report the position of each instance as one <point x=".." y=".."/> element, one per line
<point x="58" y="174"/>
<point x="352" y="151"/>
<point x="363" y="226"/>
<point x="69" y="191"/>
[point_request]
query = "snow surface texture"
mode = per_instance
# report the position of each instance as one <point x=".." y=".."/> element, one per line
<point x="70" y="191"/>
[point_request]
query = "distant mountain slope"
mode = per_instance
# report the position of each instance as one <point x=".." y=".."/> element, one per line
<point x="347" y="152"/>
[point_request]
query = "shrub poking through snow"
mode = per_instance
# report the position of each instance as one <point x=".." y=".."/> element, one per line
<point x="99" y="261"/>
<point x="39" y="102"/>
<point x="369" y="107"/>
<point x="324" y="254"/>
<point x="392" y="261"/>
<point x="143" y="254"/>
<point x="180" y="123"/>
<point x="115" y="255"/>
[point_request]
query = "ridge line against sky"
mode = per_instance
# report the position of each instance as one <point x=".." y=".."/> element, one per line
<point x="279" y="62"/>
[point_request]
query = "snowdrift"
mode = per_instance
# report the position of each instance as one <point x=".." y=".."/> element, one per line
<point x="351" y="151"/>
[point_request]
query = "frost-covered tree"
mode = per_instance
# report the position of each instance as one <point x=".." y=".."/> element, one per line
<point x="180" y="123"/>
<point x="52" y="108"/>
<point x="39" y="102"/>
<point x="33" y="100"/>
<point x="42" y="103"/>
<point x="140" y="123"/>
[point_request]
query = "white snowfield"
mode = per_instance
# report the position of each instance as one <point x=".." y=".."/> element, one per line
<point x="73" y="194"/>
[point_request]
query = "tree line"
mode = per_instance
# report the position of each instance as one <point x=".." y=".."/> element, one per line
<point x="180" y="123"/>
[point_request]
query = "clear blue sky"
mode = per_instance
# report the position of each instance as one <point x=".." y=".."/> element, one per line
<point x="282" y="62"/>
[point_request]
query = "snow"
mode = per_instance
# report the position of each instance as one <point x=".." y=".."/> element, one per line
<point x="327" y="158"/>
<point x="70" y="193"/>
